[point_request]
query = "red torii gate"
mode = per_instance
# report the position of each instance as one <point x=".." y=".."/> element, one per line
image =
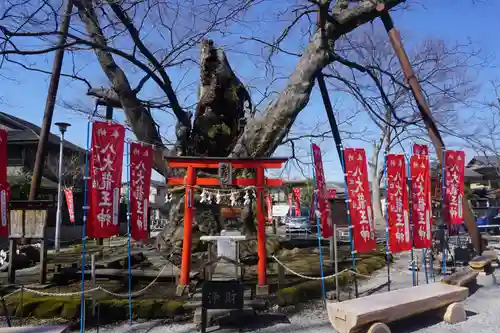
<point x="221" y="163"/>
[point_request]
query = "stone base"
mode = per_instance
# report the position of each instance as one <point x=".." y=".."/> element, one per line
<point x="181" y="290"/>
<point x="262" y="290"/>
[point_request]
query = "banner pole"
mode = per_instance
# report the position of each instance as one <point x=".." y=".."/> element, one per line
<point x="351" y="229"/>
<point x="443" y="209"/>
<point x="84" y="229"/>
<point x="424" y="264"/>
<point x="129" y="251"/>
<point x="408" y="176"/>
<point x="318" y="232"/>
<point x="387" y="249"/>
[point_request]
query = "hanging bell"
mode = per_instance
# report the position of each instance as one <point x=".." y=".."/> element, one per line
<point x="218" y="198"/>
<point x="232" y="198"/>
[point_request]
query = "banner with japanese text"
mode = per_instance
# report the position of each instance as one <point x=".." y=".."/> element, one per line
<point x="321" y="195"/>
<point x="420" y="149"/>
<point x="454" y="186"/>
<point x="68" y="194"/>
<point x="106" y="161"/>
<point x="290" y="204"/>
<point x="331" y="193"/>
<point x="3" y="156"/>
<point x="141" y="164"/>
<point x="360" y="206"/>
<point x="421" y="201"/>
<point x="4" y="209"/>
<point x="269" y="204"/>
<point x="296" y="200"/>
<point x="398" y="208"/>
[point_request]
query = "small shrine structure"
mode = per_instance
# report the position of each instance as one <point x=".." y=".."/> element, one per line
<point x="225" y="178"/>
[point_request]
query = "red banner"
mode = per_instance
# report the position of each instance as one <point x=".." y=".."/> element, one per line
<point x="68" y="194"/>
<point x="454" y="186"/>
<point x="3" y="156"/>
<point x="296" y="200"/>
<point x="106" y="161"/>
<point x="420" y="149"/>
<point x="398" y="208"/>
<point x="421" y="201"/>
<point x="323" y="203"/>
<point x="141" y="163"/>
<point x="360" y="205"/>
<point x="4" y="209"/>
<point x="331" y="193"/>
<point x="269" y="204"/>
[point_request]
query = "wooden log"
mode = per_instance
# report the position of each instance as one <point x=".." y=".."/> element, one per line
<point x="391" y="306"/>
<point x="461" y="278"/>
<point x="452" y="314"/>
<point x="379" y="328"/>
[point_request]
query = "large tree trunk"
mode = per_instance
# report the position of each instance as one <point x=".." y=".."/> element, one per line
<point x="223" y="123"/>
<point x="378" y="215"/>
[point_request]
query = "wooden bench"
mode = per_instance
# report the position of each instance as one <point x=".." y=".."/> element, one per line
<point x="462" y="278"/>
<point x="484" y="263"/>
<point x="372" y="313"/>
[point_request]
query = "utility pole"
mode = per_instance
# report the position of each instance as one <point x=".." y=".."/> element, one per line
<point x="50" y="103"/>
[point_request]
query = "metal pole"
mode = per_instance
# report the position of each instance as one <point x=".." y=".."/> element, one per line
<point x="59" y="192"/>
<point x="340" y="150"/>
<point x="50" y="103"/>
<point x="337" y="291"/>
<point x="387" y="247"/>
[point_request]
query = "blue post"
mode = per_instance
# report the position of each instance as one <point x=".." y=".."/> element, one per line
<point x="424" y="259"/>
<point x="387" y="250"/>
<point x="84" y="231"/>
<point x="408" y="176"/>
<point x="318" y="231"/>
<point x="443" y="209"/>
<point x="129" y="240"/>
<point x="351" y="230"/>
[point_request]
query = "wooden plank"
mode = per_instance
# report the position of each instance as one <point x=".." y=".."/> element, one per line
<point x="391" y="306"/>
<point x="236" y="182"/>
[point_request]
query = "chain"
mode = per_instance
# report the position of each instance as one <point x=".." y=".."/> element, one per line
<point x="79" y="293"/>
<point x="315" y="277"/>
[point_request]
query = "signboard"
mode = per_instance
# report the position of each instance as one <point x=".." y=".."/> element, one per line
<point x="222" y="295"/>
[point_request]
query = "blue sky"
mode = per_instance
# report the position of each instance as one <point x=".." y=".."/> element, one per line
<point x="450" y="20"/>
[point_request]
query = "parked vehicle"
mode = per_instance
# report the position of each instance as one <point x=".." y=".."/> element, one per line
<point x="295" y="223"/>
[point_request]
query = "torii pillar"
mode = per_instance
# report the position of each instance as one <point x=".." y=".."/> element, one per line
<point x="225" y="166"/>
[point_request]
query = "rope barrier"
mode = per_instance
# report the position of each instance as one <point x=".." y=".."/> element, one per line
<point x="79" y="293"/>
<point x="315" y="277"/>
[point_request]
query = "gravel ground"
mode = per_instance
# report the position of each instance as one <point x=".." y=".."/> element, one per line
<point x="482" y="307"/>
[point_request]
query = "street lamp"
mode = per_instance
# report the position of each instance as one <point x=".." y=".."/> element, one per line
<point x="62" y="128"/>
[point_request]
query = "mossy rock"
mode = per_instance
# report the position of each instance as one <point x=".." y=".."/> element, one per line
<point x="363" y="268"/>
<point x="372" y="264"/>
<point x="48" y="309"/>
<point x="111" y="310"/>
<point x="70" y="310"/>
<point x="312" y="289"/>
